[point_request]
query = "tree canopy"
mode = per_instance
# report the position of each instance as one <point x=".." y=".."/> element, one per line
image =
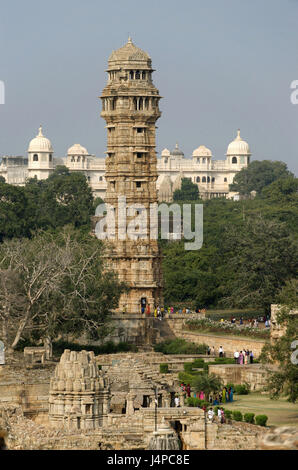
<point x="188" y="192"/>
<point x="257" y="175"/>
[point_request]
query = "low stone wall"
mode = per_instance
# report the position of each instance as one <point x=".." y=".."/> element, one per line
<point x="254" y="374"/>
<point x="33" y="398"/>
<point x="229" y="343"/>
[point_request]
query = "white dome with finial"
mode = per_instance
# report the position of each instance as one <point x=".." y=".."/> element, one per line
<point x="238" y="146"/>
<point x="202" y="151"/>
<point x="40" y="143"/>
<point x="77" y="149"/>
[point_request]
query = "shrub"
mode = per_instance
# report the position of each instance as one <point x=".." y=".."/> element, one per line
<point x="249" y="418"/>
<point x="192" y="401"/>
<point x="237" y="415"/>
<point x="163" y="368"/>
<point x="228" y="414"/>
<point x="230" y="385"/>
<point x="261" y="420"/>
<point x="186" y="378"/>
<point x="224" y="360"/>
<point x="242" y="389"/>
<point x="187" y="367"/>
<point x="198" y="363"/>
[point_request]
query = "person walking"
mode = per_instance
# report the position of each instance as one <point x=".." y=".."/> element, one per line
<point x="251" y="357"/>
<point x="188" y="390"/>
<point x="224" y="393"/>
<point x="236" y="357"/>
<point x="246" y="357"/>
<point x="213" y="351"/>
<point x="222" y="416"/>
<point x="177" y="401"/>
<point x="241" y="358"/>
<point x="231" y="394"/>
<point x="210" y="415"/>
<point x="221" y="351"/>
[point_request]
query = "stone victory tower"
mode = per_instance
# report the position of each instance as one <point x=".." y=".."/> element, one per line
<point x="130" y="108"/>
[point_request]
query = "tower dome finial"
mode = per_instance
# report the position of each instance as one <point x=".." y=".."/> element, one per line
<point x="129" y="40"/>
<point x="40" y="131"/>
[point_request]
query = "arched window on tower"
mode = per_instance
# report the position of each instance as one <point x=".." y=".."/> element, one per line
<point x="234" y="160"/>
<point x="143" y="75"/>
<point x="131" y="74"/>
<point x="138" y="75"/>
<point x="50" y="157"/>
<point x="35" y="157"/>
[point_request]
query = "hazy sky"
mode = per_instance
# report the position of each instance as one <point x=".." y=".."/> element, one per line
<point x="220" y="65"/>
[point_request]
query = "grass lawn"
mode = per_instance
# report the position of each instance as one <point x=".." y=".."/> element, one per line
<point x="280" y="412"/>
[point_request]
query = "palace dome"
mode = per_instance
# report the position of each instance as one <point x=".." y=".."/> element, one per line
<point x="177" y="152"/>
<point x="202" y="151"/>
<point x="77" y="149"/>
<point x="40" y="143"/>
<point x="129" y="53"/>
<point x="238" y="146"/>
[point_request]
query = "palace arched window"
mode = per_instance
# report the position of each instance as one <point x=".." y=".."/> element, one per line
<point x="213" y="179"/>
<point x="198" y="179"/>
<point x="35" y="157"/>
<point x="208" y="179"/>
<point x="234" y="160"/>
<point x="50" y="158"/>
<point x="204" y="179"/>
<point x="225" y="180"/>
<point x="131" y="74"/>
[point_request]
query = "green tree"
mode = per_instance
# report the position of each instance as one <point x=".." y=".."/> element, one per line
<point x="259" y="257"/>
<point x="284" y="190"/>
<point x="12" y="212"/>
<point x="280" y="352"/>
<point x="207" y="383"/>
<point x="257" y="175"/>
<point x="188" y="192"/>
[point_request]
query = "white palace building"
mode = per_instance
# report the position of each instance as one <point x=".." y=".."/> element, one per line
<point x="213" y="177"/>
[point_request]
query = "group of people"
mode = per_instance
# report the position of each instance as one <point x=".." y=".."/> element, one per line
<point x="220" y="415"/>
<point x="244" y="357"/>
<point x="253" y="322"/>
<point x="226" y="395"/>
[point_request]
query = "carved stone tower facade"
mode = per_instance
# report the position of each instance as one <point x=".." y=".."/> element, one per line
<point x="130" y="107"/>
